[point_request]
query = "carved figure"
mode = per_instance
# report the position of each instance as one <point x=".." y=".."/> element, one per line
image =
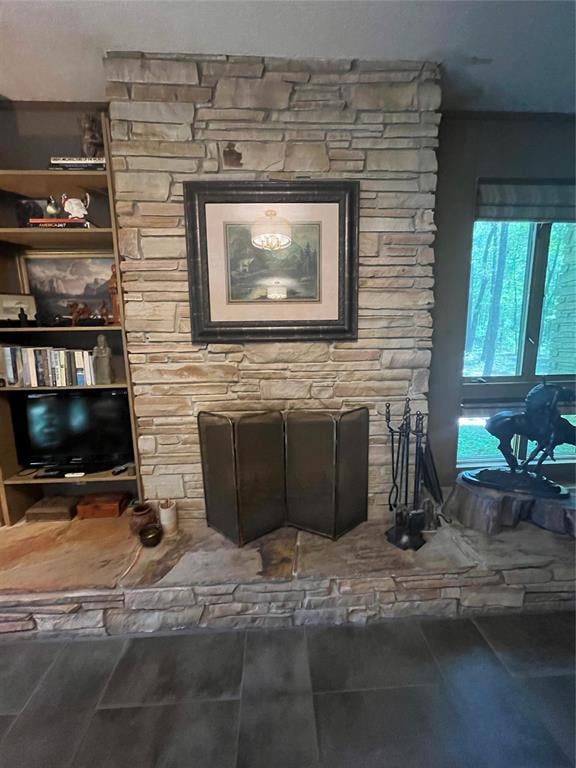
<point x="102" y="355"/>
<point x="79" y="311"/>
<point x="76" y="208"/>
<point x="112" y="284"/>
<point x="540" y="421"/>
<point x="92" y="141"/>
<point x="53" y="207"/>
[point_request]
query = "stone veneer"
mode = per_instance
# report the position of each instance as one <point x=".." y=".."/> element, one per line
<point x="294" y="602"/>
<point x="179" y="117"/>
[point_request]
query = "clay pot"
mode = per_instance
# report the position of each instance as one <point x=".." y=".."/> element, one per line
<point x="141" y="515"/>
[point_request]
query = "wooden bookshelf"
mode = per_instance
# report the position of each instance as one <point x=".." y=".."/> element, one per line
<point x="40" y="184"/>
<point x="81" y="387"/>
<point x="30" y="329"/>
<point x="93" y="237"/>
<point x="19" y="489"/>
<point x="93" y="477"/>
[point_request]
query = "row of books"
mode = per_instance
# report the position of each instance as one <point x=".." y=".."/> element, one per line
<point x="78" y="163"/>
<point x="45" y="367"/>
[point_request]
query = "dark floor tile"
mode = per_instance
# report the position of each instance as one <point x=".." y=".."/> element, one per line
<point x="553" y="699"/>
<point x="21" y="667"/>
<point x="278" y="732"/>
<point x="166" y="670"/>
<point x="378" y="656"/>
<point x="276" y="663"/>
<point x="508" y="733"/>
<point x="392" y="728"/>
<point x="198" y="734"/>
<point x="48" y="730"/>
<point x="532" y="644"/>
<point x="5" y="723"/>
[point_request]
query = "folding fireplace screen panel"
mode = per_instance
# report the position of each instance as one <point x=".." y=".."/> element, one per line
<point x="243" y="468"/>
<point x="262" y="471"/>
<point x="326" y="470"/>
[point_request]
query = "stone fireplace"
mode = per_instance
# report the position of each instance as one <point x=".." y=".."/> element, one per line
<point x="179" y="117"/>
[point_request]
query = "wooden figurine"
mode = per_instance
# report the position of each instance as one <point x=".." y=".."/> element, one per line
<point x="79" y="311"/>
<point x="112" y="284"/>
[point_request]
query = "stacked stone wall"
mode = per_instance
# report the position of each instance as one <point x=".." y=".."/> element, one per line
<point x="176" y="118"/>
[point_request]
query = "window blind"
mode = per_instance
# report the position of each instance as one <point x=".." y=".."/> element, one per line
<point x="508" y="200"/>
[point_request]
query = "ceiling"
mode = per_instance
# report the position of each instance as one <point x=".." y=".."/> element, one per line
<point x="497" y="55"/>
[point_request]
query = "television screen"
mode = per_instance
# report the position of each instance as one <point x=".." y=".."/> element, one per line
<point x="72" y="428"/>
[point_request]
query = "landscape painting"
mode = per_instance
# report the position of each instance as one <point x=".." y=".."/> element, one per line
<point x="58" y="282"/>
<point x="258" y="275"/>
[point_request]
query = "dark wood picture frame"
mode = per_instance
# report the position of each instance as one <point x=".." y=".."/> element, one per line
<point x="198" y="194"/>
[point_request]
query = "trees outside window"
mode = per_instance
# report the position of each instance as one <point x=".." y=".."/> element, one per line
<point x="521" y="324"/>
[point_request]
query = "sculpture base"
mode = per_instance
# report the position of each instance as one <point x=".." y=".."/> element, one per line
<point x="490" y="510"/>
<point x="517" y="482"/>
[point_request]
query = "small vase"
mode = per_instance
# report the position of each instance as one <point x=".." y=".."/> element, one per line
<point x="141" y="515"/>
<point x="168" y="516"/>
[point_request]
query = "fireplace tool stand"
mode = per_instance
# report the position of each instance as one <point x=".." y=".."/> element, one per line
<point x="409" y="452"/>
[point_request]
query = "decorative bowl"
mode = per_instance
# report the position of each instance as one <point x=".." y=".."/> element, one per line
<point x="151" y="535"/>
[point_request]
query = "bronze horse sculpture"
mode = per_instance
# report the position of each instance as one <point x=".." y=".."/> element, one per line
<point x="540" y="421"/>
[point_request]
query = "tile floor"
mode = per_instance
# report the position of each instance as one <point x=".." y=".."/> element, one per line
<point x="497" y="691"/>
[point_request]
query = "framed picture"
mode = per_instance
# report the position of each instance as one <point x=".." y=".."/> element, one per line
<point x="63" y="284"/>
<point x="12" y="303"/>
<point x="272" y="261"/>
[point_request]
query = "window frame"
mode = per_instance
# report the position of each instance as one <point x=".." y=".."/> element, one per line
<point x="510" y="391"/>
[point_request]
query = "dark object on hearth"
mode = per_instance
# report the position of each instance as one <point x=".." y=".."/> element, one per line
<point x="151" y="535"/>
<point x="540" y="421"/>
<point x="407" y="533"/>
<point x="327" y="470"/>
<point x="92" y="140"/>
<point x="26" y="210"/>
<point x="243" y="468"/>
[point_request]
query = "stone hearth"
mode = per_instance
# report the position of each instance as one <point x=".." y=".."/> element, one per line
<point x="289" y="577"/>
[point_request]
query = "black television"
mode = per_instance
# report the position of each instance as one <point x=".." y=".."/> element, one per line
<point x="88" y="430"/>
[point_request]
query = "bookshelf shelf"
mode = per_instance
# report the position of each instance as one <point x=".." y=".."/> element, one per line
<point x="95" y="238"/>
<point x="94" y="477"/>
<point x="44" y="183"/>
<point x="63" y="329"/>
<point x="83" y="387"/>
<point x="19" y="489"/>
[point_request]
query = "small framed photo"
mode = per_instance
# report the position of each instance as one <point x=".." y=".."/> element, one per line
<point x="11" y="305"/>
<point x="272" y="261"/>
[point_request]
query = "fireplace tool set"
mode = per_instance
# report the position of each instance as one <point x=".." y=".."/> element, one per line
<point x="412" y="468"/>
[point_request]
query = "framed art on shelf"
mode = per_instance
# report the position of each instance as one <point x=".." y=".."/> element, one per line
<point x="12" y="304"/>
<point x="272" y="261"/>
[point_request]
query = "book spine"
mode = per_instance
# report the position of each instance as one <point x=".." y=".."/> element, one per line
<point x="3" y="368"/>
<point x="26" y="380"/>
<point x="87" y="368"/>
<point x="62" y="365"/>
<point x="79" y="367"/>
<point x="18" y="365"/>
<point x="46" y="368"/>
<point x="55" y="368"/>
<point x="9" y="364"/>
<point x="71" y="368"/>
<point x="32" y="367"/>
<point x="39" y="368"/>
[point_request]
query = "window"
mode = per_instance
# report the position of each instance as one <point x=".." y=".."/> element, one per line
<point x="521" y="322"/>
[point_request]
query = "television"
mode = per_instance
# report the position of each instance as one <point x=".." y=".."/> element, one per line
<point x="88" y="430"/>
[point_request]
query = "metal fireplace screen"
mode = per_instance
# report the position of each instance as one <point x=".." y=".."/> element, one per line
<point x="306" y="469"/>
